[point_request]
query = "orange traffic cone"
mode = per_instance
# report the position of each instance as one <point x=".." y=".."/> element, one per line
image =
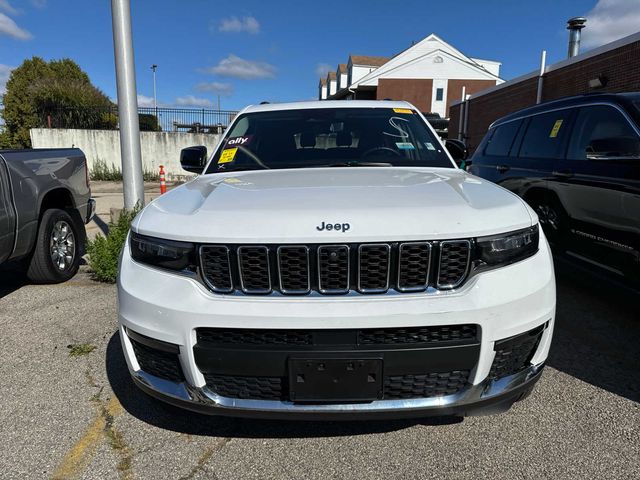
<point x="163" y="184"/>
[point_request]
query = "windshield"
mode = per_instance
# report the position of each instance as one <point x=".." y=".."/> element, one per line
<point x="329" y="137"/>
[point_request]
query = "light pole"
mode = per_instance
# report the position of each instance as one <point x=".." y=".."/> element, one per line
<point x="127" y="104"/>
<point x="155" y="97"/>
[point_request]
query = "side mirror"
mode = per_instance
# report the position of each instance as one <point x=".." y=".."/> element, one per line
<point x="458" y="151"/>
<point x="613" y="148"/>
<point x="193" y="159"/>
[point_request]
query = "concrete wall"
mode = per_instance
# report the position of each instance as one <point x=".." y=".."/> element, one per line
<point x="158" y="148"/>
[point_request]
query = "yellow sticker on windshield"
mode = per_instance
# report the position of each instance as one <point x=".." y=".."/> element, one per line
<point x="228" y="155"/>
<point x="403" y="110"/>
<point x="555" y="129"/>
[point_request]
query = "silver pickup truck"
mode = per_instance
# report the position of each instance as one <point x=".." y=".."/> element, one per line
<point x="45" y="201"/>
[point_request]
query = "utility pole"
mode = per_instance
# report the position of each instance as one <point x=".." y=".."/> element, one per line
<point x="127" y="104"/>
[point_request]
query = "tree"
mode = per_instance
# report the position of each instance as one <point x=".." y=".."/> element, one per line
<point x="149" y="123"/>
<point x="37" y="89"/>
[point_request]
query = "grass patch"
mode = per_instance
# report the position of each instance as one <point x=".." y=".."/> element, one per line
<point x="104" y="252"/>
<point x="80" y="349"/>
<point x="102" y="171"/>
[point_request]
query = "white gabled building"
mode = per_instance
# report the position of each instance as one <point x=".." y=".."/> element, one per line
<point x="431" y="74"/>
<point x="322" y="89"/>
<point x="332" y="83"/>
<point x="341" y="72"/>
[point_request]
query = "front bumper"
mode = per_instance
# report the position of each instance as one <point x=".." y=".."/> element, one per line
<point x="503" y="303"/>
<point x="488" y="397"/>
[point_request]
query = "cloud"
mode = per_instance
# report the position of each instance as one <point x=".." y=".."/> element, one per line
<point x="144" y="101"/>
<point x="610" y="20"/>
<point x="236" y="67"/>
<point x="9" y="28"/>
<point x="191" y="101"/>
<point x="5" y="72"/>
<point x="39" y="3"/>
<point x="218" y="88"/>
<point x="322" y="69"/>
<point x="236" y="25"/>
<point x="7" y="7"/>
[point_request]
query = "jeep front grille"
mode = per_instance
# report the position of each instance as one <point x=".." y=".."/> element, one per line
<point x="366" y="268"/>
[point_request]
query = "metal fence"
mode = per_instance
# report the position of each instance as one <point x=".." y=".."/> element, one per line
<point x="151" y="119"/>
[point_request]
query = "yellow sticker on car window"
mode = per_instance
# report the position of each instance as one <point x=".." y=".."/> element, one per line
<point x="555" y="129"/>
<point x="403" y="110"/>
<point x="228" y="155"/>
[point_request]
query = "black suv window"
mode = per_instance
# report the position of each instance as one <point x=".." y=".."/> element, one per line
<point x="602" y="131"/>
<point x="500" y="142"/>
<point x="545" y="134"/>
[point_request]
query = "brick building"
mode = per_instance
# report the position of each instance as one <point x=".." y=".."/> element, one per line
<point x="614" y="67"/>
<point x="431" y="74"/>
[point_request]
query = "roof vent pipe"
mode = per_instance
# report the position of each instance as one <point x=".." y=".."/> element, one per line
<point x="574" y="25"/>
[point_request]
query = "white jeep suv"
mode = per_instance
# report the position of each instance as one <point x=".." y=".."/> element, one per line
<point x="333" y="262"/>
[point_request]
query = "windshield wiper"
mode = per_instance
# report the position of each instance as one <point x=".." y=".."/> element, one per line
<point x="361" y="164"/>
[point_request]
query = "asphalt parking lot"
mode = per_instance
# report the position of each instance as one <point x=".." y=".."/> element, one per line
<point x="70" y="411"/>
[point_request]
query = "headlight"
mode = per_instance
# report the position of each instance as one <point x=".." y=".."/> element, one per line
<point x="163" y="253"/>
<point x="508" y="247"/>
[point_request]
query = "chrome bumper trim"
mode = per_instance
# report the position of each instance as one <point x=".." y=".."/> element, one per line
<point x="203" y="398"/>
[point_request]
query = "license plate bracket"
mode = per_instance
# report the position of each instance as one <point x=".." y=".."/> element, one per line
<point x="335" y="379"/>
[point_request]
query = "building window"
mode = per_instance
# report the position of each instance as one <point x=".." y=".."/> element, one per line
<point x="439" y="94"/>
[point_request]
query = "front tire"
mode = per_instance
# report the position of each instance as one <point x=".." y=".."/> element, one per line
<point x="553" y="221"/>
<point x="56" y="257"/>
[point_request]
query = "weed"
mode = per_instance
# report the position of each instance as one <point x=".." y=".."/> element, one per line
<point x="80" y="349"/>
<point x="104" y="252"/>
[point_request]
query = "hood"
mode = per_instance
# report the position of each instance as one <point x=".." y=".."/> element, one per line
<point x="377" y="203"/>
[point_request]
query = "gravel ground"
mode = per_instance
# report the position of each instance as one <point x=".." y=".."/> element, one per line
<point x="67" y="416"/>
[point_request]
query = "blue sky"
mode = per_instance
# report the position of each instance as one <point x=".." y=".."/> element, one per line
<point x="250" y="51"/>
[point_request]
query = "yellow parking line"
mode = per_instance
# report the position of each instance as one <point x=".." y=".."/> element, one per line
<point x="78" y="457"/>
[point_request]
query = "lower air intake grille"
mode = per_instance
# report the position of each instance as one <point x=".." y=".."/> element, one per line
<point x="514" y="354"/>
<point x="158" y="363"/>
<point x="253" y="388"/>
<point x="395" y="386"/>
<point x="425" y="386"/>
<point x="436" y="335"/>
<point x="237" y="336"/>
<point x="397" y="336"/>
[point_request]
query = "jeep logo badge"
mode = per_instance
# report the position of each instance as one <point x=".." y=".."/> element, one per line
<point x="340" y="227"/>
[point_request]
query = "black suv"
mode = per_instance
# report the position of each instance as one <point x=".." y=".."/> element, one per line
<point x="576" y="161"/>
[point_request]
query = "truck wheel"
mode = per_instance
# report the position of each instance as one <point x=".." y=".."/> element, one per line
<point x="56" y="255"/>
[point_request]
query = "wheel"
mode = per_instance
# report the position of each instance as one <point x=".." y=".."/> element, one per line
<point x="56" y="257"/>
<point x="553" y="219"/>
